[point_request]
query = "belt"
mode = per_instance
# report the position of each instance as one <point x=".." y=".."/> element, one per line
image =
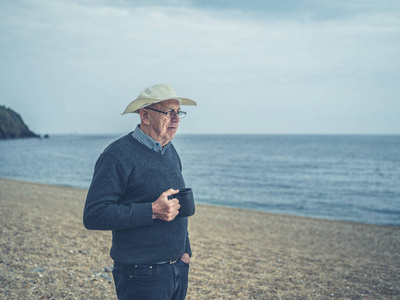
<point x="170" y="262"/>
<point x="127" y="267"/>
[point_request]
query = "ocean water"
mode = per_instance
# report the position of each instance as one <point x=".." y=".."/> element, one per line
<point x="341" y="177"/>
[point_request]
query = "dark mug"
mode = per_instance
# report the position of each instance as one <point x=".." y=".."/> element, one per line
<point x="186" y="201"/>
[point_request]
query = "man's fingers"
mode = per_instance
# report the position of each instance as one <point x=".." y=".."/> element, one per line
<point x="177" y="206"/>
<point x="174" y="202"/>
<point x="171" y="192"/>
<point x="174" y="205"/>
<point x="165" y="209"/>
<point x="172" y="211"/>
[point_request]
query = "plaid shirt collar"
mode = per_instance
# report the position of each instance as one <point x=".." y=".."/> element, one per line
<point x="143" y="138"/>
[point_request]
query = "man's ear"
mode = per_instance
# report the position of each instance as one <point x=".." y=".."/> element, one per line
<point x="144" y="116"/>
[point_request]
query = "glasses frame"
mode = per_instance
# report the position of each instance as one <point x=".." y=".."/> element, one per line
<point x="168" y="113"/>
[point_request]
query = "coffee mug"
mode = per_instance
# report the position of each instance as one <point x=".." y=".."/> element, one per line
<point x="186" y="201"/>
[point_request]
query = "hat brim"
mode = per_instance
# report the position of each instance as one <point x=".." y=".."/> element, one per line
<point x="138" y="104"/>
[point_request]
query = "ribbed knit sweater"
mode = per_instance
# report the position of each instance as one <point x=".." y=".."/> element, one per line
<point x="128" y="177"/>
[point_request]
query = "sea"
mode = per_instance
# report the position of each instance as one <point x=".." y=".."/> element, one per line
<point x="352" y="178"/>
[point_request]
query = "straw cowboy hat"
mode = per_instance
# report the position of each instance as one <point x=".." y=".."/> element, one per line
<point x="154" y="94"/>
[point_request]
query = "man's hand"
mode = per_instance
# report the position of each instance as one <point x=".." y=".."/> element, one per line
<point x="185" y="258"/>
<point x="165" y="209"/>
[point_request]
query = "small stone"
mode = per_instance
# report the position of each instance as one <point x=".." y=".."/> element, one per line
<point x="108" y="269"/>
<point x="38" y="270"/>
<point x="105" y="276"/>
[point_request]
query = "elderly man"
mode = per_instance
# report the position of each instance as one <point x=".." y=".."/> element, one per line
<point x="129" y="194"/>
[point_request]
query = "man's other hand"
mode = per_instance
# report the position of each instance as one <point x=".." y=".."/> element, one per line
<point x="165" y="209"/>
<point x="185" y="258"/>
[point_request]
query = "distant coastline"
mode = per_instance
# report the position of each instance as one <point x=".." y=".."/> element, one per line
<point x="12" y="126"/>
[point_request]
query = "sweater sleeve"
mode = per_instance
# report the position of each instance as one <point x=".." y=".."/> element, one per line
<point x="102" y="210"/>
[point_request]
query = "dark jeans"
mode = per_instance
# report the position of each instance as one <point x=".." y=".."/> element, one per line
<point x="166" y="281"/>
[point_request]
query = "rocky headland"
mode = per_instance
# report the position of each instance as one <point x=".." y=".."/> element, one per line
<point x="12" y="126"/>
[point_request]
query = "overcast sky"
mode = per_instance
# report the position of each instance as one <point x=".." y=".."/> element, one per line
<point x="296" y="67"/>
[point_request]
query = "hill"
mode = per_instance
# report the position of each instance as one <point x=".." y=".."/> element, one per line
<point x="12" y="126"/>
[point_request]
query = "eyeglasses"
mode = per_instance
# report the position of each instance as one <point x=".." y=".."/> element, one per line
<point x="170" y="114"/>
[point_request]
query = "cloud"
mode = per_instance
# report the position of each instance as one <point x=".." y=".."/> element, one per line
<point x="97" y="55"/>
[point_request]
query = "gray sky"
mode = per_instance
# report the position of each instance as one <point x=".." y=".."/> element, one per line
<point x="308" y="66"/>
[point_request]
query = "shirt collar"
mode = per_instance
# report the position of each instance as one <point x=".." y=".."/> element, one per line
<point x="146" y="140"/>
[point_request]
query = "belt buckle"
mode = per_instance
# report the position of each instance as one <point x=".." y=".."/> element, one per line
<point x="171" y="262"/>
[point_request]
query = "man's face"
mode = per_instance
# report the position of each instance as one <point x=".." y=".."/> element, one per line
<point x="161" y="128"/>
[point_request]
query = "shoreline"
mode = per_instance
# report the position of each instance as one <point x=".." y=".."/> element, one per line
<point x="237" y="253"/>
<point x="249" y="210"/>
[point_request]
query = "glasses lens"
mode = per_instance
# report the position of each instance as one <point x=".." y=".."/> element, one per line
<point x="171" y="114"/>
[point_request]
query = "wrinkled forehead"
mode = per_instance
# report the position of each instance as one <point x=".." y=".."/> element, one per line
<point x="168" y="104"/>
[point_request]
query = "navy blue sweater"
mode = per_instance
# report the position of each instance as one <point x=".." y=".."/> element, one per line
<point x="128" y="177"/>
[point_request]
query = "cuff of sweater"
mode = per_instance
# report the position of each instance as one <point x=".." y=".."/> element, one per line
<point x="149" y="214"/>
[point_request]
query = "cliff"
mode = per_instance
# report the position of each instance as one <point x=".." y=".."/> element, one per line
<point x="12" y="126"/>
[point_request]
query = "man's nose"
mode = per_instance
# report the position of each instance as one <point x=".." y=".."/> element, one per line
<point x="176" y="118"/>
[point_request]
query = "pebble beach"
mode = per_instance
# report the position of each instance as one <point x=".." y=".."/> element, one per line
<point x="46" y="253"/>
